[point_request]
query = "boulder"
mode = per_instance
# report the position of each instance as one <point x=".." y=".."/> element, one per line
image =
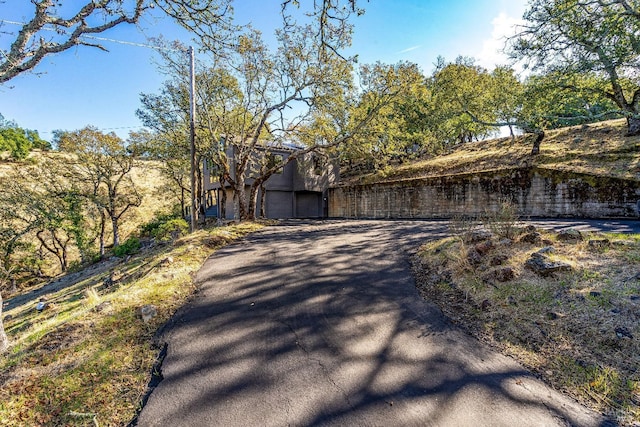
<point x="622" y="332"/>
<point x="547" y="250"/>
<point x="476" y="236"/>
<point x="485" y="247"/>
<point x="148" y="312"/>
<point x="42" y="305"/>
<point x="505" y="242"/>
<point x="599" y="243"/>
<point x="474" y="257"/>
<point x="503" y="274"/>
<point x="543" y="266"/>
<point x="533" y="238"/>
<point x="498" y="260"/>
<point x="570" y="235"/>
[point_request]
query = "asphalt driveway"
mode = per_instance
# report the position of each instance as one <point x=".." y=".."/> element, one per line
<point x="319" y="323"/>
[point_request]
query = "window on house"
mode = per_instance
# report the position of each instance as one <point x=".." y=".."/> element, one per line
<point x="274" y="160"/>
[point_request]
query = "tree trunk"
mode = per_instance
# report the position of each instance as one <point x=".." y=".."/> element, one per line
<point x="4" y="340"/>
<point x="201" y="195"/>
<point x="63" y="260"/>
<point x="536" y="144"/>
<point x="116" y="232"/>
<point x="633" y="126"/>
<point x="222" y="203"/>
<point x="182" y="207"/>
<point x="253" y="200"/>
<point x="57" y="248"/>
<point x="240" y="195"/>
<point x="103" y="224"/>
<point x="263" y="205"/>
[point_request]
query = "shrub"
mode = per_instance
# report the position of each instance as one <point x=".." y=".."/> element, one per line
<point x="165" y="227"/>
<point x="129" y="247"/>
<point x="503" y="222"/>
<point x="172" y="229"/>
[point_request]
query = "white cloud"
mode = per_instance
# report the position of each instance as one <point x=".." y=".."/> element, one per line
<point x="504" y="26"/>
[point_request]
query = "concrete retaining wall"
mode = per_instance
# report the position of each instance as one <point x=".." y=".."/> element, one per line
<point x="536" y="192"/>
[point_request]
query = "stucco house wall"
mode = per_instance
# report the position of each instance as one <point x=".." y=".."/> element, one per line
<point x="299" y="191"/>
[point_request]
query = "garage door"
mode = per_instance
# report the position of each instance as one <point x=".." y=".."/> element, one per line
<point x="279" y="204"/>
<point x="308" y="205"/>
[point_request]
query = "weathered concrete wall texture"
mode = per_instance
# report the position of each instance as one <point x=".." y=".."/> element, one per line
<point x="536" y="192"/>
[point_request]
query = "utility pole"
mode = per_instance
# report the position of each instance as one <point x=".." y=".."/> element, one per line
<point x="192" y="137"/>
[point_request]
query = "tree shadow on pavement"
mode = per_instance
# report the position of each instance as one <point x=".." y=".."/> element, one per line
<point x="321" y="324"/>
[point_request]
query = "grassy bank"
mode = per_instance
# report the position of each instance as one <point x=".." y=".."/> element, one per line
<point x="599" y="149"/>
<point x="577" y="328"/>
<point x="87" y="357"/>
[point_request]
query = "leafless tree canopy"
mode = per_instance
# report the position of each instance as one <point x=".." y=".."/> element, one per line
<point x="55" y="28"/>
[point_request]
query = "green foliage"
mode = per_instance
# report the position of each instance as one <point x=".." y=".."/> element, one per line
<point x="398" y="128"/>
<point x="36" y="141"/>
<point x="172" y="229"/>
<point x="18" y="141"/>
<point x="462" y="94"/>
<point x="102" y="173"/>
<point x="165" y="227"/>
<point x="559" y="99"/>
<point x="597" y="42"/>
<point x="129" y="247"/>
<point x="15" y="142"/>
<point x="300" y="91"/>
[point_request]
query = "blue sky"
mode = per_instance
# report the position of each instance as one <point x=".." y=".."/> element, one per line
<point x="85" y="86"/>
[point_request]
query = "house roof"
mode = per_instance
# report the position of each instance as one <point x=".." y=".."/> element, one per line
<point x="280" y="145"/>
<point x="283" y="145"/>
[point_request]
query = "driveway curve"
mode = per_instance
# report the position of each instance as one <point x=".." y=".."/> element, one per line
<point x="320" y="324"/>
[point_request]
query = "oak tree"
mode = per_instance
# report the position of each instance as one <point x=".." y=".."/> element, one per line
<point x="103" y="168"/>
<point x="594" y="37"/>
<point x="54" y="27"/>
<point x="265" y="97"/>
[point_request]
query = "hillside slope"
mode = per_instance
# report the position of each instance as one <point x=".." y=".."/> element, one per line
<point x="600" y="149"/>
<point x="150" y="184"/>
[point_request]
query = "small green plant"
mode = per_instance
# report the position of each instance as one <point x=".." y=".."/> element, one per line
<point x="504" y="221"/>
<point x="129" y="247"/>
<point x="165" y="227"/>
<point x="172" y="229"/>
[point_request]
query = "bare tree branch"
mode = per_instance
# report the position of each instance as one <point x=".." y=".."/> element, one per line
<point x="47" y="33"/>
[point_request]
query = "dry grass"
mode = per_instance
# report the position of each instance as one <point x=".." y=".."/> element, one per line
<point x="87" y="358"/>
<point x="599" y="149"/>
<point x="578" y="330"/>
